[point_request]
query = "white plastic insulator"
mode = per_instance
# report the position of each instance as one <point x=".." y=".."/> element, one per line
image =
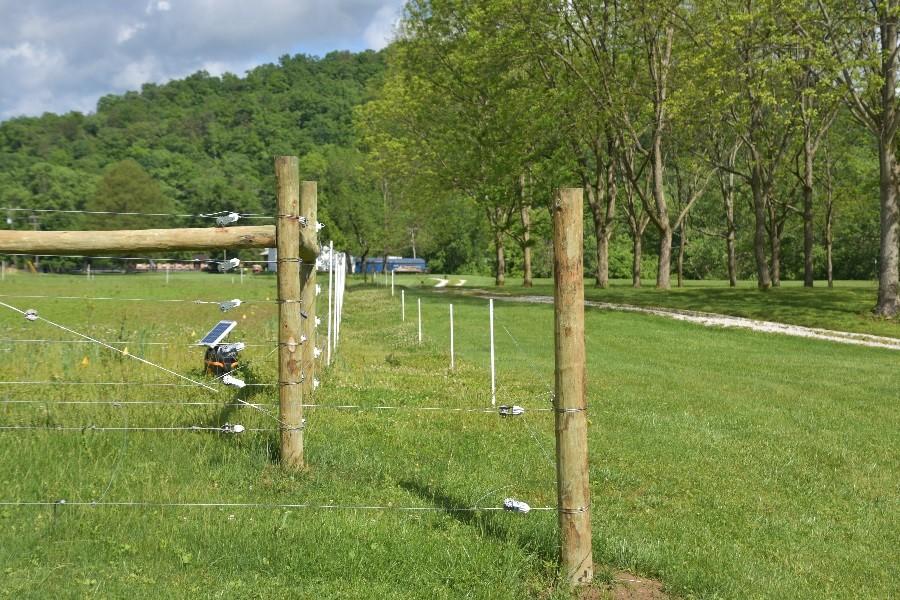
<point x="232" y="263"/>
<point x="318" y="321"/>
<point x="31" y="314"/>
<point x="316" y="383"/>
<point x="235" y="347"/>
<point x="318" y="289"/>
<point x="320" y="226"/>
<point x="303" y="339"/>
<point x="231" y="380"/>
<point x="229" y="304"/>
<point x="317" y="352"/>
<point x="513" y="505"/>
<point x="224" y="220"/>
<point x="511" y="411"/>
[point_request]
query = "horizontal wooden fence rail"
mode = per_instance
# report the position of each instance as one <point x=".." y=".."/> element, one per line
<point x="152" y="240"/>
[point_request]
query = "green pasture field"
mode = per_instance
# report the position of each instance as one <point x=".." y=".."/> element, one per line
<point x="846" y="307"/>
<point x="725" y="463"/>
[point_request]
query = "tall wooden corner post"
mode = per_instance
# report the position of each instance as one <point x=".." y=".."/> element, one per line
<point x="297" y="251"/>
<point x="573" y="488"/>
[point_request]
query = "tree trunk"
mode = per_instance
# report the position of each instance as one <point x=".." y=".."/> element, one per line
<point x="726" y="182"/>
<point x="665" y="259"/>
<point x="681" y="246"/>
<point x="598" y="215"/>
<point x="603" y="206"/>
<point x="776" y="256"/>
<point x="637" y="251"/>
<point x="662" y="213"/>
<point x="829" y="242"/>
<point x="888" y="260"/>
<point x="602" y="257"/>
<point x="763" y="277"/>
<point x="500" y="280"/>
<point x="808" y="236"/>
<point x="527" y="280"/>
<point x="730" y="233"/>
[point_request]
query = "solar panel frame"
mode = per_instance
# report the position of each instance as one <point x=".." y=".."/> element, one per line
<point x="217" y="333"/>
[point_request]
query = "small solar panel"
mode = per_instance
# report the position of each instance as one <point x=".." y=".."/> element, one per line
<point x="217" y="333"/>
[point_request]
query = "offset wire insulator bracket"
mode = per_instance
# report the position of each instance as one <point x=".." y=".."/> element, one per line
<point x="300" y="219"/>
<point x="233" y="381"/>
<point x="230" y="264"/>
<point x="229" y="428"/>
<point x="31" y="314"/>
<point x="229" y="304"/>
<point x="511" y="411"/>
<point x="513" y="505"/>
<point x="228" y="219"/>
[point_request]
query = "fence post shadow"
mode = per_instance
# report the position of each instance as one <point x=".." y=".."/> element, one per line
<point x="494" y="524"/>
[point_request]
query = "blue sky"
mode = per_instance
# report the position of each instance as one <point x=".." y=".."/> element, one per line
<point x="62" y="55"/>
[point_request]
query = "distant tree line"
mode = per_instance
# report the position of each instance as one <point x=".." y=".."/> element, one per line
<point x="712" y="139"/>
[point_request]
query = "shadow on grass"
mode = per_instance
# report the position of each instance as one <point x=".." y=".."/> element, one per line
<point x="539" y="541"/>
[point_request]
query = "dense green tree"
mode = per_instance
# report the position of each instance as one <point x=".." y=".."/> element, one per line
<point x="127" y="188"/>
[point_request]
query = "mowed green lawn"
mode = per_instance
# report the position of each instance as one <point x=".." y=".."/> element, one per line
<point x="846" y="307"/>
<point x="725" y="463"/>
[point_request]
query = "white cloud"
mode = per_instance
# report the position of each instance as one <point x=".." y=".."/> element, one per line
<point x="127" y="32"/>
<point x="158" y="6"/>
<point x="60" y="55"/>
<point x="381" y="29"/>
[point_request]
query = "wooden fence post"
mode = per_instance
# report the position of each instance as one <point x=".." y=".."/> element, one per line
<point x="573" y="488"/>
<point x="290" y="347"/>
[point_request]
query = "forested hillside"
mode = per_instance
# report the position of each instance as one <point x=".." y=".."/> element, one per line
<point x="196" y="145"/>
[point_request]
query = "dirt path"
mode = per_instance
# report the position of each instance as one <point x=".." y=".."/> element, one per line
<point x="716" y="320"/>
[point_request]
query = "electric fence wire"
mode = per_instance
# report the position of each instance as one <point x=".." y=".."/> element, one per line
<point x="127" y="383"/>
<point x="267" y="506"/>
<point x="347" y="407"/>
<point x="136" y="214"/>
<point x="114" y="299"/>
<point x="120" y="343"/>
<point x="139" y="258"/>
<point x="92" y="427"/>
<point x="113" y="348"/>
